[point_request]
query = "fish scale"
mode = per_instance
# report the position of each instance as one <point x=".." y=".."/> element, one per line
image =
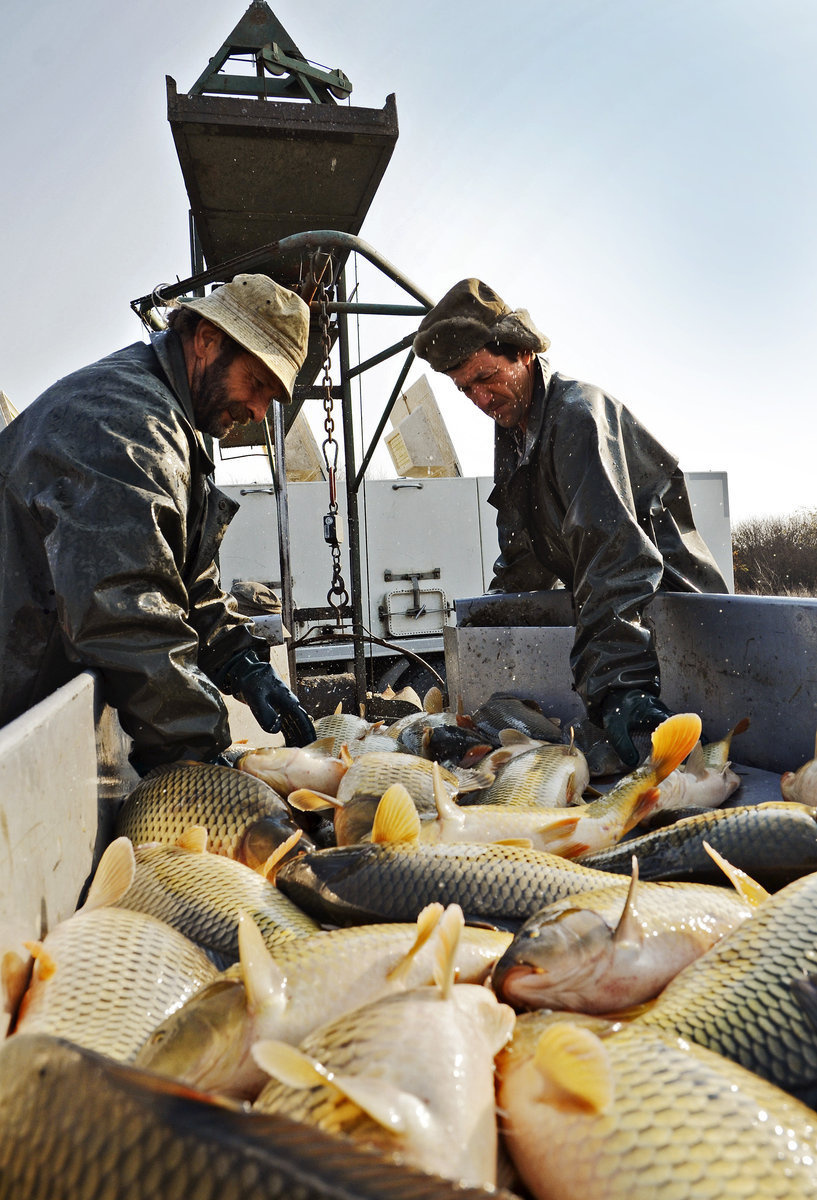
<point x="76" y="1126"/>
<point x="683" y="1123"/>
<point x="547" y="775"/>
<point x="737" y="999"/>
<point x="118" y="974"/>
<point x="202" y="894"/>
<point x="227" y="802"/>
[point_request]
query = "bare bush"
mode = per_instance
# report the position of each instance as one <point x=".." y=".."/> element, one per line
<point x="776" y="556"/>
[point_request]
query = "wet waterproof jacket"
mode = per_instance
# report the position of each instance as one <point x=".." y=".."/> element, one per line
<point x="109" y="526"/>
<point x="587" y="497"/>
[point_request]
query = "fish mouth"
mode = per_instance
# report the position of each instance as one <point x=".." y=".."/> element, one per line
<point x="522" y="985"/>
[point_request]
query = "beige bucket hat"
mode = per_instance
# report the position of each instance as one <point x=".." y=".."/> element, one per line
<point x="265" y="318"/>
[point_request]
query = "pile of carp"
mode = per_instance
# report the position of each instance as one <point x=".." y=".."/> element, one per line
<point x="429" y="959"/>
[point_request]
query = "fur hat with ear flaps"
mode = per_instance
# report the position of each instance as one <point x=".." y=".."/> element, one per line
<point x="469" y="316"/>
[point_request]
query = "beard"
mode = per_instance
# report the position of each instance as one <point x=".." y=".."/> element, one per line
<point x="215" y="412"/>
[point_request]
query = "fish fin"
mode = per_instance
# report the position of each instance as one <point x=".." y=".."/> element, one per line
<point x="516" y="738"/>
<point x="751" y="891"/>
<point x="474" y="755"/>
<point x="339" y="709"/>
<point x="672" y="742"/>
<point x="289" y="1065"/>
<point x="448" y="930"/>
<point x="433" y="701"/>
<point x="481" y="776"/>
<point x="45" y="964"/>
<point x="345" y="757"/>
<point x="592" y="792"/>
<point x="194" y="839"/>
<point x="695" y="763"/>
<point x="645" y="803"/>
<point x="396" y="818"/>
<point x="744" y="723"/>
<point x="447" y="810"/>
<point x="306" y="800"/>
<point x="392" y="1107"/>
<point x="572" y="850"/>
<point x="521" y="843"/>
<point x="323" y="745"/>
<point x="498" y="758"/>
<point x="560" y="826"/>
<point x="628" y="929"/>
<point x="113" y="876"/>
<point x="464" y="721"/>
<point x="427" y="921"/>
<point x="271" y="866"/>
<point x="575" y="1062"/>
<point x="264" y="981"/>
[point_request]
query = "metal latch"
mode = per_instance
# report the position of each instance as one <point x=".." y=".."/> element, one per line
<point x="413" y="578"/>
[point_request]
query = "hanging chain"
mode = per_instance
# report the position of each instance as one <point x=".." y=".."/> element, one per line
<point x="337" y="597"/>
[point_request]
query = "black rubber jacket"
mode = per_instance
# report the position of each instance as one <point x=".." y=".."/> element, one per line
<point x="109" y="526"/>
<point x="587" y="497"/>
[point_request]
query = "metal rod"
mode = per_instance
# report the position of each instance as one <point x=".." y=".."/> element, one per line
<point x="375" y="310"/>
<point x="311" y="240"/>
<point x="277" y="462"/>
<point x="367" y="458"/>
<point x="352" y="516"/>
<point x="382" y="356"/>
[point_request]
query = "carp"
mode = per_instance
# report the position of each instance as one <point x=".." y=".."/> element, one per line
<point x="801" y="785"/>
<point x="286" y="768"/>
<point x="289" y="993"/>
<point x="76" y="1126"/>
<point x="106" y="976"/>
<point x="411" y="1074"/>
<point x="609" y="950"/>
<point x="244" y="817"/>
<point x="202" y="895"/>
<point x="603" y="1112"/>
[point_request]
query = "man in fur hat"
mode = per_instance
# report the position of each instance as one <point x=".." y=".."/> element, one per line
<point x="584" y="495"/>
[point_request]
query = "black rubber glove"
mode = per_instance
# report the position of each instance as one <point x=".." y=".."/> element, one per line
<point x="274" y="706"/>
<point x="625" y="712"/>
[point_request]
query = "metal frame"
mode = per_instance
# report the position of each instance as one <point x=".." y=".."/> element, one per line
<point x="314" y="246"/>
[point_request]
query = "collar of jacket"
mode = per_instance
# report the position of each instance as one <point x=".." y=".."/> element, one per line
<point x="512" y="448"/>
<point x="167" y="347"/>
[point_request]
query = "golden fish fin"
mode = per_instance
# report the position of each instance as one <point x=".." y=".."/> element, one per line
<point x="338" y="710"/>
<point x="446" y="808"/>
<point x="628" y="929"/>
<point x="395" y="1109"/>
<point x="113" y="876"/>
<point x="498" y="758"/>
<point x="571" y="850"/>
<point x="193" y="839"/>
<point x="407" y="695"/>
<point x="433" y="701"/>
<point x="45" y="964"/>
<point x="288" y="1064"/>
<point x="427" y="921"/>
<point x="448" y="932"/>
<point x="560" y="826"/>
<point x="396" y="818"/>
<point x="520" y="842"/>
<point x="696" y="763"/>
<point x="271" y="866"/>
<point x="672" y="742"/>
<point x="576" y="1063"/>
<point x="345" y="757"/>
<point x="264" y="981"/>
<point x="306" y="800"/>
<point x="751" y="891"/>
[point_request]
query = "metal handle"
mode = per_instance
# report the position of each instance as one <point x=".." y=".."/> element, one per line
<point x="407" y="483"/>
<point x="266" y="491"/>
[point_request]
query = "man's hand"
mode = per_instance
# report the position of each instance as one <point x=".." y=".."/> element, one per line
<point x="274" y="706"/>
<point x="624" y="712"/>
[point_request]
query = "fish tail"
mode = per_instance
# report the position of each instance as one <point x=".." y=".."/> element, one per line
<point x="671" y="743"/>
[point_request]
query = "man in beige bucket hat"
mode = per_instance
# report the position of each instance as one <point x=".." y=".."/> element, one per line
<point x="585" y="496"/>
<point x="110" y="524"/>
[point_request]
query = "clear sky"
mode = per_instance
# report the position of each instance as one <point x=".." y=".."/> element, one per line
<point x="640" y="174"/>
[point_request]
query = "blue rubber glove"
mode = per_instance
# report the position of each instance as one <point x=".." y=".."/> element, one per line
<point x="625" y="712"/>
<point x="274" y="706"/>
